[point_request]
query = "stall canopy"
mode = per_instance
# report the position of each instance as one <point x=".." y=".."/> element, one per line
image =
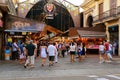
<point x="52" y="30"/>
<point x="17" y="24"/>
<point x="89" y="32"/>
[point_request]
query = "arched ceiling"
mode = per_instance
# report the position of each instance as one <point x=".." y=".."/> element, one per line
<point x="62" y="18"/>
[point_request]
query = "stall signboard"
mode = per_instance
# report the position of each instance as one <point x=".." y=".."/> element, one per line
<point x="12" y="33"/>
<point x="24" y="33"/>
<point x="17" y="24"/>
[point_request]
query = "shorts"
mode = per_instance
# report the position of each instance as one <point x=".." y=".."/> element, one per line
<point x="107" y="52"/>
<point x="79" y="53"/>
<point x="101" y="52"/>
<point x="51" y="58"/>
<point x="72" y="52"/>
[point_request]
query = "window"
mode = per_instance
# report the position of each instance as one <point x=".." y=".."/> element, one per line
<point x="113" y="7"/>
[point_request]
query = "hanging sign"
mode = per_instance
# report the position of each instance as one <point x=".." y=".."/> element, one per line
<point x="1" y="22"/>
<point x="49" y="9"/>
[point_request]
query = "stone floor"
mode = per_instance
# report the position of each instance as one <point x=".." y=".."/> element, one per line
<point x="12" y="70"/>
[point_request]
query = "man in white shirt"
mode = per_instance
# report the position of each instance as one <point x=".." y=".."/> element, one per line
<point x="101" y="52"/>
<point x="15" y="49"/>
<point x="35" y="44"/>
<point x="51" y="53"/>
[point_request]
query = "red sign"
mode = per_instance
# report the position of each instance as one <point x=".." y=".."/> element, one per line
<point x="49" y="8"/>
<point x="1" y="23"/>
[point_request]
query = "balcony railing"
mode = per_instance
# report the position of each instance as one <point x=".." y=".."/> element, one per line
<point x="108" y="14"/>
<point x="118" y="10"/>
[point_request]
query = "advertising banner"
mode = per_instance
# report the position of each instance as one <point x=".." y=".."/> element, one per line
<point x="17" y="24"/>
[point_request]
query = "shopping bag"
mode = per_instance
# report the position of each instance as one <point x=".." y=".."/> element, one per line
<point x="66" y="53"/>
<point x="109" y="55"/>
<point x="22" y="56"/>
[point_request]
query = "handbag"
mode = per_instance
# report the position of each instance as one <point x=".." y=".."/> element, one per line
<point x="22" y="56"/>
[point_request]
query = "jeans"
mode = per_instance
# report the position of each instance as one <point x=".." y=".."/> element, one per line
<point x="109" y="53"/>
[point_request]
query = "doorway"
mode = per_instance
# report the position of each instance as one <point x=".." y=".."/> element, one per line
<point x="90" y="21"/>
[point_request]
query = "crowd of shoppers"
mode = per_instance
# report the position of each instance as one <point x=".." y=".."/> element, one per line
<point x="27" y="52"/>
<point x="106" y="51"/>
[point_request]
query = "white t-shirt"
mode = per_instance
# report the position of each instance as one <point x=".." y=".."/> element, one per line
<point x="110" y="47"/>
<point x="101" y="47"/>
<point x="73" y="48"/>
<point x="51" y="50"/>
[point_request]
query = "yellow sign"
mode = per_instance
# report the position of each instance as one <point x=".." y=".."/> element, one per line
<point x="23" y="33"/>
<point x="9" y="39"/>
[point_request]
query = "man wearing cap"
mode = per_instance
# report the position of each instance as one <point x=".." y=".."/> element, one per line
<point x="30" y="49"/>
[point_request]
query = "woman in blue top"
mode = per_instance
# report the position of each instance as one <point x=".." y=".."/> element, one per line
<point x="79" y="52"/>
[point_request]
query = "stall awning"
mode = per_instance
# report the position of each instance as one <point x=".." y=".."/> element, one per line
<point x="52" y="29"/>
<point x="17" y="24"/>
<point x="91" y="34"/>
<point x="88" y="32"/>
<point x="52" y="32"/>
<point x="73" y="32"/>
<point x="32" y="28"/>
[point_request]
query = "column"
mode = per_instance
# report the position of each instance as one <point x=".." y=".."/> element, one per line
<point x="119" y="38"/>
<point x="107" y="32"/>
<point x="85" y="19"/>
<point x="0" y="46"/>
<point x="95" y="12"/>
